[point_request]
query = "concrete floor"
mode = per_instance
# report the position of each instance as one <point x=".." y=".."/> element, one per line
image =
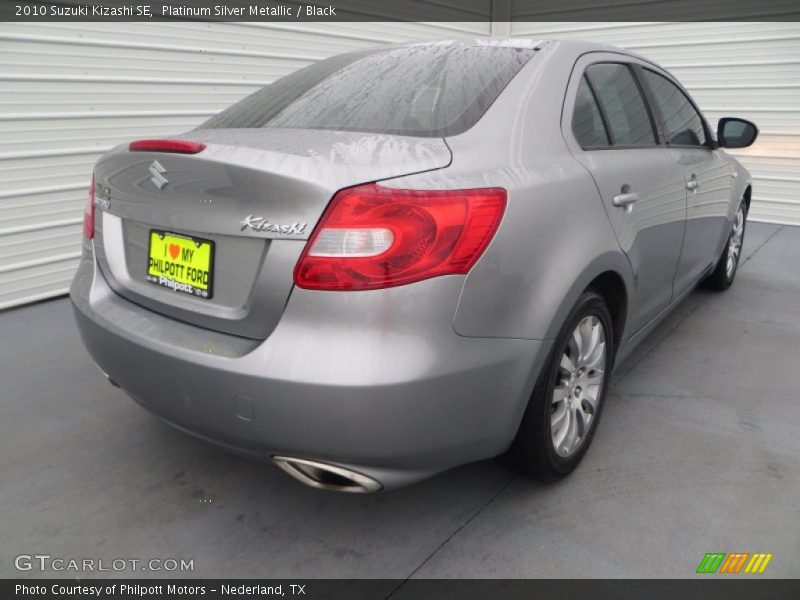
<point x="697" y="452"/>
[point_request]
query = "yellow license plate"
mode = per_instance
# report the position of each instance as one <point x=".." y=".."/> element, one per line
<point x="181" y="263"/>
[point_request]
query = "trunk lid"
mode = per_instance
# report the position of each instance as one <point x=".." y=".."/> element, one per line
<point x="256" y="194"/>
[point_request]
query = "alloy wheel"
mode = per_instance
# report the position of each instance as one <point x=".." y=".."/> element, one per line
<point x="735" y="244"/>
<point x="579" y="383"/>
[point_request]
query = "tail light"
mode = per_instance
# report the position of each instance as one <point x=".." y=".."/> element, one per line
<point x="174" y="146"/>
<point x="88" y="213"/>
<point x="373" y="237"/>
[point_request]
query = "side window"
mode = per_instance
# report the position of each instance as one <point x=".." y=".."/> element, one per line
<point x="587" y="122"/>
<point x="621" y="101"/>
<point x="684" y="125"/>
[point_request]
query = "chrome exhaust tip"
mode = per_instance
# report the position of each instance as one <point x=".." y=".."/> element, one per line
<point x="327" y="477"/>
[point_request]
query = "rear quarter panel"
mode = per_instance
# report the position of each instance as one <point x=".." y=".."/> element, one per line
<point x="555" y="236"/>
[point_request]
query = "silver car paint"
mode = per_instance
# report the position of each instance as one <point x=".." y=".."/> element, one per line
<point x="379" y="382"/>
<point x="409" y="381"/>
<point x="287" y="176"/>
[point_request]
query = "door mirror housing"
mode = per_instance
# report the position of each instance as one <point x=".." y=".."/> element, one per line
<point x="733" y="132"/>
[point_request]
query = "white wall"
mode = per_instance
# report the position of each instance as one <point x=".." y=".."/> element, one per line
<point x="751" y="70"/>
<point x="68" y="92"/>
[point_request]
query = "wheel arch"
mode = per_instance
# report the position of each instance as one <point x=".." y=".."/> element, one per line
<point x="611" y="287"/>
<point x="748" y="194"/>
<point x="611" y="276"/>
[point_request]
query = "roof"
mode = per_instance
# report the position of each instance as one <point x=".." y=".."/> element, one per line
<point x="573" y="46"/>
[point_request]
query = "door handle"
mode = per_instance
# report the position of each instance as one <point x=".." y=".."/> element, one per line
<point x="692" y="184"/>
<point x="626" y="199"/>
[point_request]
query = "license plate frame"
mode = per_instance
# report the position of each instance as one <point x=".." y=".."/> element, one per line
<point x="180" y="278"/>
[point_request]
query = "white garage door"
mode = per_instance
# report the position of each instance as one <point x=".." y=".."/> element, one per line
<point x="68" y="92"/>
<point x="750" y="70"/>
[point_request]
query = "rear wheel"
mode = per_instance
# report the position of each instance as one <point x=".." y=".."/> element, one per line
<point x="725" y="271"/>
<point x="567" y="401"/>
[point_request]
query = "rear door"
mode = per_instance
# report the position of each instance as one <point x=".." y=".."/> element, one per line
<point x="707" y="175"/>
<point x="611" y="131"/>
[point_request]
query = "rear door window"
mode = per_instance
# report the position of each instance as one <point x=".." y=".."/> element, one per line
<point x="587" y="122"/>
<point x="426" y="90"/>
<point x="622" y="105"/>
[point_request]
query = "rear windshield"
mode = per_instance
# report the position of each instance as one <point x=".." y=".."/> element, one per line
<point x="431" y="90"/>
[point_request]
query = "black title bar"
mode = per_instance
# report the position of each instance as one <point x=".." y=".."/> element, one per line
<point x="704" y="587"/>
<point x="400" y="10"/>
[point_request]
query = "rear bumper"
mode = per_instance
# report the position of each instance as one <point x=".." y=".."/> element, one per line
<point x="377" y="382"/>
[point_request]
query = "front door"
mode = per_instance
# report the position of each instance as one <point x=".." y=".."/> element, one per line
<point x="707" y="175"/>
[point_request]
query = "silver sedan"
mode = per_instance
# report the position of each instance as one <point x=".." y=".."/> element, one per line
<point x="400" y="260"/>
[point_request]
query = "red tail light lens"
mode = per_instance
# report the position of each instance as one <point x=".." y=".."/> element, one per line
<point x="174" y="146"/>
<point x="373" y="237"/>
<point x="88" y="213"/>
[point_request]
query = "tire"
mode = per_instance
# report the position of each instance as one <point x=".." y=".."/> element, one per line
<point x="725" y="272"/>
<point x="535" y="451"/>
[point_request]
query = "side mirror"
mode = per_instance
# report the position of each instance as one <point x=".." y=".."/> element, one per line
<point x="736" y="133"/>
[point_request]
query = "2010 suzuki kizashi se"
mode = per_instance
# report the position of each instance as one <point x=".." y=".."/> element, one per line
<point x="400" y="260"/>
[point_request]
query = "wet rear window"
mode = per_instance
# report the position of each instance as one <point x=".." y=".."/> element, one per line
<point x="431" y="90"/>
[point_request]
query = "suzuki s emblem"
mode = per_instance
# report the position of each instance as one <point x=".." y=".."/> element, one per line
<point x="263" y="224"/>
<point x="157" y="171"/>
